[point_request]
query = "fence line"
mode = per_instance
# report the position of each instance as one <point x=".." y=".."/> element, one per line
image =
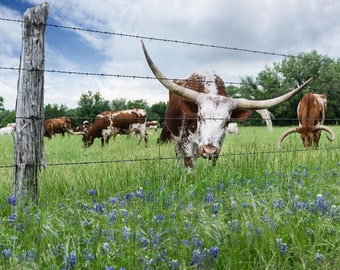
<point x="175" y="158"/>
<point x="157" y="39"/>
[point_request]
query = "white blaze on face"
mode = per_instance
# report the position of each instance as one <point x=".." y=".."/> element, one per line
<point x="214" y="112"/>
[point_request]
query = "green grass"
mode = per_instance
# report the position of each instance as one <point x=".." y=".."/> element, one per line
<point x="260" y="208"/>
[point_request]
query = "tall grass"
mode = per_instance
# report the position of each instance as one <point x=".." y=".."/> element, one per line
<point x="258" y="208"/>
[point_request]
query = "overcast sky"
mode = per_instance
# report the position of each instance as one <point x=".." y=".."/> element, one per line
<point x="280" y="27"/>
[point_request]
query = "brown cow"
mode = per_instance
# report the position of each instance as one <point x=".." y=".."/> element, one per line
<point x="83" y="127"/>
<point x="199" y="111"/>
<point x="56" y="125"/>
<point x="111" y="123"/>
<point x="311" y="113"/>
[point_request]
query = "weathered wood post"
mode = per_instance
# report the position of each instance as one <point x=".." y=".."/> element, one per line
<point x="28" y="137"/>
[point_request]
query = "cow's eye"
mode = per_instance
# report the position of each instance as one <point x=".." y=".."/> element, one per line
<point x="199" y="117"/>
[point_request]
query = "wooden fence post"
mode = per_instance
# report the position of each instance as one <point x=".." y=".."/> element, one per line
<point x="28" y="136"/>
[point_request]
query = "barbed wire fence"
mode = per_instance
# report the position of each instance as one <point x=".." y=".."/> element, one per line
<point x="188" y="43"/>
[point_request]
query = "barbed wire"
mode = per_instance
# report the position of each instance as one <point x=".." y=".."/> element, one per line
<point x="74" y="28"/>
<point x="176" y="158"/>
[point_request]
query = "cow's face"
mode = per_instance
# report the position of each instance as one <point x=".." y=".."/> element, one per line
<point x="213" y="116"/>
<point x="87" y="140"/>
<point x="308" y="136"/>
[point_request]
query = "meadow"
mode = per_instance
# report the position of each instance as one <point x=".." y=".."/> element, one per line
<point x="133" y="207"/>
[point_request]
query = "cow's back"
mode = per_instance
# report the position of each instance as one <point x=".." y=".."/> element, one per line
<point x="312" y="109"/>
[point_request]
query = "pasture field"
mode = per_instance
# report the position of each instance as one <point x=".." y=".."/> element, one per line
<point x="131" y="207"/>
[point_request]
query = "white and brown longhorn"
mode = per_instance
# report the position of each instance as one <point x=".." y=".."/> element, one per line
<point x="311" y="113"/>
<point x="111" y="123"/>
<point x="199" y="111"/>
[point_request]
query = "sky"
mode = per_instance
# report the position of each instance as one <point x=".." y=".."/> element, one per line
<point x="278" y="27"/>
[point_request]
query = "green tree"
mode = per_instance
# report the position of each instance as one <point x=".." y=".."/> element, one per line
<point x="157" y="112"/>
<point x="54" y="111"/>
<point x="119" y="104"/>
<point x="138" y="103"/>
<point x="91" y="104"/>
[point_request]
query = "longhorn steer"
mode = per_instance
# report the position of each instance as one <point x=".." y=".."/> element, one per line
<point x="111" y="123"/>
<point x="311" y="113"/>
<point x="232" y="128"/>
<point x="199" y="111"/>
<point x="56" y="125"/>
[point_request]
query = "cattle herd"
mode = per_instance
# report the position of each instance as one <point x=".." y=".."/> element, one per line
<point x="197" y="117"/>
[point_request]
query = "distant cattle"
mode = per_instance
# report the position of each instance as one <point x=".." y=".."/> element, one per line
<point x="199" y="111"/>
<point x="111" y="123"/>
<point x="311" y="113"/>
<point x="6" y="130"/>
<point x="83" y="127"/>
<point x="152" y="125"/>
<point x="57" y="125"/>
<point x="232" y="128"/>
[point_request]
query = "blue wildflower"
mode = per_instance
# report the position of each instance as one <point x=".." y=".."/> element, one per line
<point x="318" y="257"/>
<point x="12" y="218"/>
<point x="173" y="265"/>
<point x="213" y="252"/>
<point x="158" y="217"/>
<point x="197" y="257"/>
<point x="109" y="268"/>
<point x="91" y="192"/>
<point x="7" y="253"/>
<point x="209" y="197"/>
<point x="113" y="200"/>
<point x="139" y="193"/>
<point x="11" y="200"/>
<point x="320" y="203"/>
<point x="283" y="247"/>
<point x="89" y="256"/>
<point x="98" y="208"/>
<point x="72" y="259"/>
<point x="215" y="208"/>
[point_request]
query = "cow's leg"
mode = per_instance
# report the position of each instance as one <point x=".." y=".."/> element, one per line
<point x="317" y="138"/>
<point x="102" y="140"/>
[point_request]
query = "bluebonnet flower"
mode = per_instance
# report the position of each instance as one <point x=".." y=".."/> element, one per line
<point x="139" y="193"/>
<point x="198" y="243"/>
<point x="109" y="268"/>
<point x="124" y="212"/>
<point x="72" y="259"/>
<point x="129" y="196"/>
<point x="173" y="265"/>
<point x="318" y="257"/>
<point x="89" y="256"/>
<point x="91" y="192"/>
<point x="213" y="252"/>
<point x="209" y="197"/>
<point x="277" y="203"/>
<point x="126" y="233"/>
<point x="98" y="208"/>
<point x="197" y="257"/>
<point x="283" y="247"/>
<point x="113" y="200"/>
<point x="158" y="217"/>
<point x="7" y="253"/>
<point x="12" y="218"/>
<point x="112" y="216"/>
<point x="320" y="203"/>
<point x="215" y="208"/>
<point x="11" y="200"/>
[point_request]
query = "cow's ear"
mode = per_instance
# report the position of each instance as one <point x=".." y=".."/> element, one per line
<point x="188" y="106"/>
<point x="240" y="115"/>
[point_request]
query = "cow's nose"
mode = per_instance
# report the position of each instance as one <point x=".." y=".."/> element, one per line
<point x="209" y="151"/>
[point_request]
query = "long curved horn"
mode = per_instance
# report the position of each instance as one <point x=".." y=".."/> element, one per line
<point x="285" y="134"/>
<point x="327" y="129"/>
<point x="263" y="104"/>
<point x="173" y="87"/>
<point x="75" y="133"/>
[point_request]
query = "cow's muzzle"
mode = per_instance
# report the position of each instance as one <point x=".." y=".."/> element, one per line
<point x="209" y="151"/>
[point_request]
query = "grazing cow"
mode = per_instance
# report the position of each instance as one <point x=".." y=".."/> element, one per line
<point x="6" y="130"/>
<point x="83" y="127"/>
<point x="311" y="113"/>
<point x="232" y="128"/>
<point x="152" y="125"/>
<point x="199" y="111"/>
<point x="56" y="125"/>
<point x="111" y="123"/>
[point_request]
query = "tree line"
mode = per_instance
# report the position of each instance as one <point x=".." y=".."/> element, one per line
<point x="271" y="82"/>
